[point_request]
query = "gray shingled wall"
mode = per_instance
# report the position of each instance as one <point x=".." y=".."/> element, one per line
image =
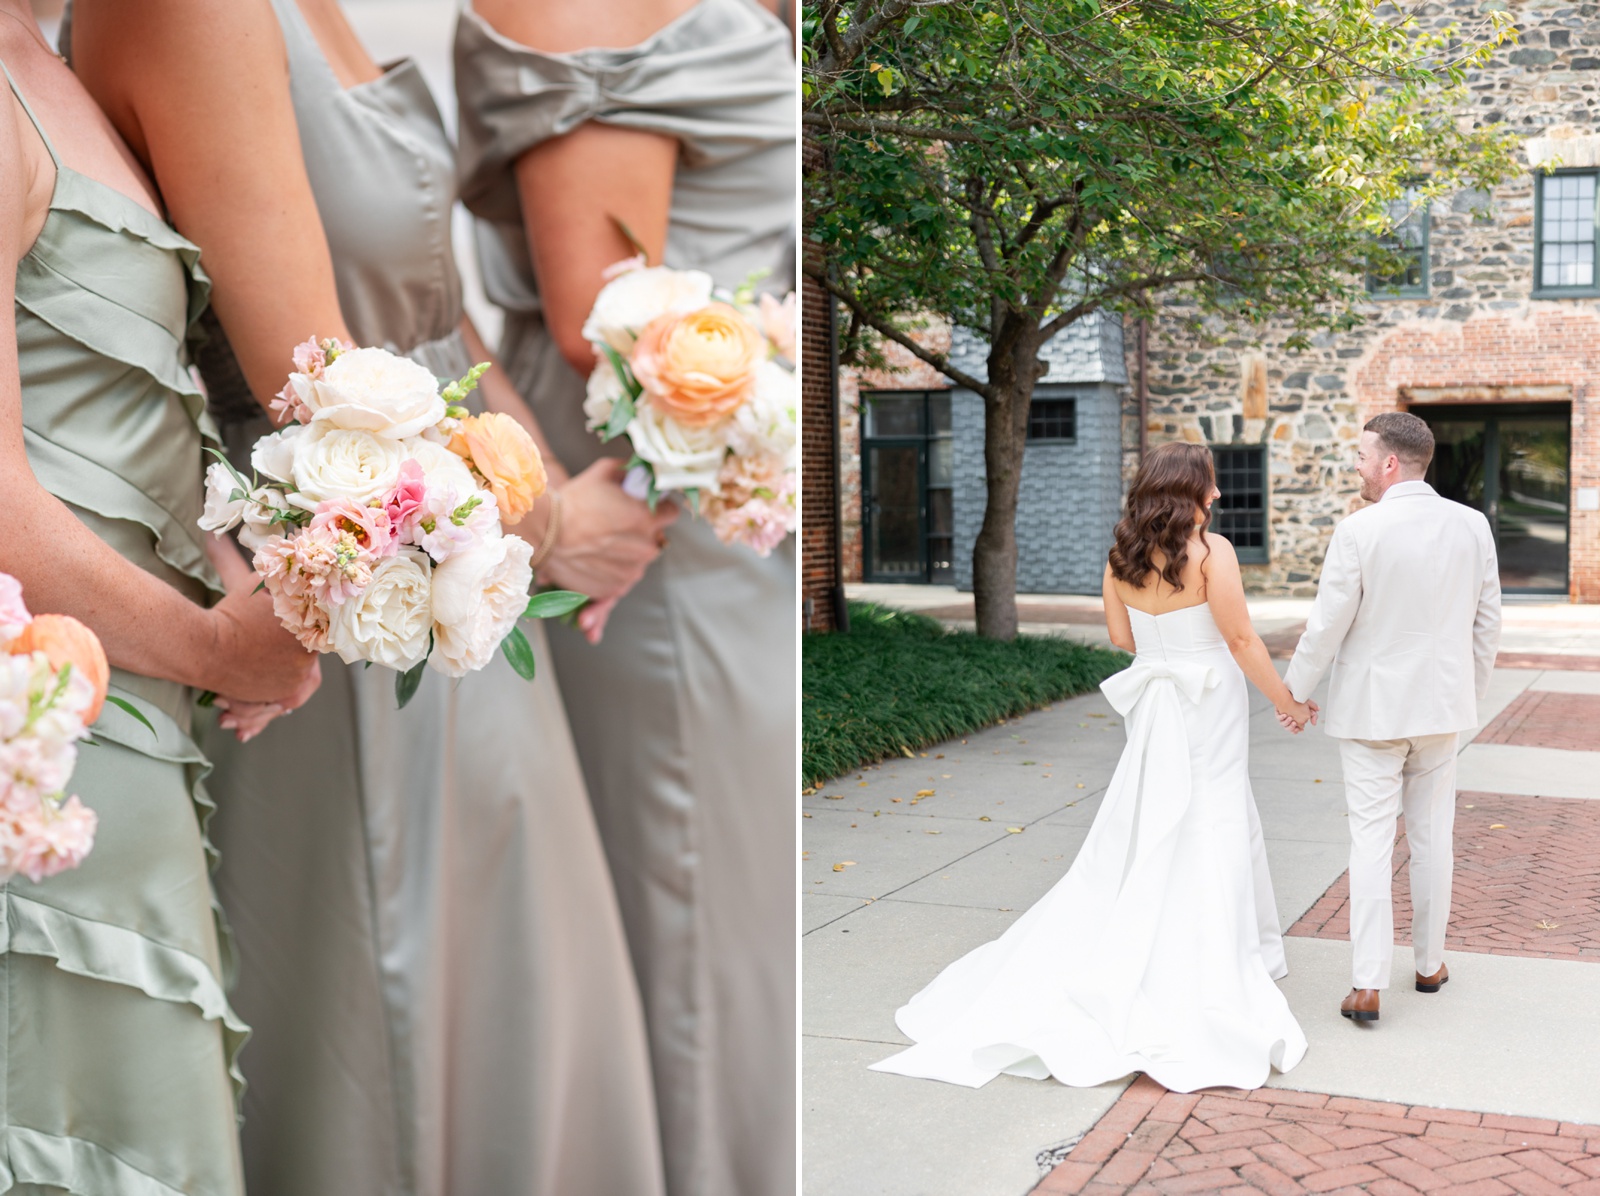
<point x="1070" y="499"/>
<point x="1071" y="493"/>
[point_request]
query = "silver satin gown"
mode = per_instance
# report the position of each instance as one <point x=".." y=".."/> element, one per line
<point x="685" y="714"/>
<point x="432" y="956"/>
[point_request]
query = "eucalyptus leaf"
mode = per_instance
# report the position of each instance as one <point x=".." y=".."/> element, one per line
<point x="622" y="413"/>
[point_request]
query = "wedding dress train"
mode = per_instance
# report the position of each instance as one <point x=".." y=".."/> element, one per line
<point x="1149" y="954"/>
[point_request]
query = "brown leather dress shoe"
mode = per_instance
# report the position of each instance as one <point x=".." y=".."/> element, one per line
<point x="1433" y="983"/>
<point x="1361" y="1005"/>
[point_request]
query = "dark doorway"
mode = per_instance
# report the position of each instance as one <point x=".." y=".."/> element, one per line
<point x="1511" y="462"/>
<point x="907" y="512"/>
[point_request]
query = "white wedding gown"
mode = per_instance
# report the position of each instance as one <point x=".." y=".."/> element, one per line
<point x="1158" y="949"/>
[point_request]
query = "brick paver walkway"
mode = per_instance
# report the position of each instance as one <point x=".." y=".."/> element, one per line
<point x="1527" y="880"/>
<point x="1547" y="720"/>
<point x="1280" y="1142"/>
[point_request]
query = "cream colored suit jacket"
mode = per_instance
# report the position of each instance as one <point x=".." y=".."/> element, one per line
<point x="1408" y="617"/>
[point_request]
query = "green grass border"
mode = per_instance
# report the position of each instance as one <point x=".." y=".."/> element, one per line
<point x="900" y="681"/>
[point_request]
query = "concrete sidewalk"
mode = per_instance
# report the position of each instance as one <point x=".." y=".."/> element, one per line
<point x="911" y="863"/>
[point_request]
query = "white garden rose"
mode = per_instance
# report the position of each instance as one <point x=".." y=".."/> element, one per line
<point x="258" y="526"/>
<point x="441" y="467"/>
<point x="631" y="300"/>
<point x="223" y="512"/>
<point x="273" y="456"/>
<point x="601" y="394"/>
<point x="336" y="463"/>
<point x="683" y="458"/>
<point x="769" y="422"/>
<point x="479" y="593"/>
<point x="389" y="621"/>
<point x="374" y="390"/>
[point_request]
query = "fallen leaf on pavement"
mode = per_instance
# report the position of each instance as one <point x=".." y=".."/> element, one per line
<point x="1548" y="925"/>
<point x="933" y="832"/>
<point x="924" y="792"/>
<point x="984" y="818"/>
<point x="1015" y="830"/>
<point x="1497" y="826"/>
<point x="833" y="797"/>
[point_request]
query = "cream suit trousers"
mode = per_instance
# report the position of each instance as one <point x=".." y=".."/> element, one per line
<point x="1382" y="778"/>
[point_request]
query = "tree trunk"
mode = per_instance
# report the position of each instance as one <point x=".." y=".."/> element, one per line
<point x="1012" y="374"/>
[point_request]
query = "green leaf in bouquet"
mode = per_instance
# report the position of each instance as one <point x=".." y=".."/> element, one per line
<point x="746" y="292"/>
<point x="129" y="708"/>
<point x="619" y="366"/>
<point x="622" y="413"/>
<point x="238" y="477"/>
<point x="207" y="698"/>
<point x="693" y="495"/>
<point x="456" y="392"/>
<point x="520" y="653"/>
<point x="627" y="235"/>
<point x="406" y="683"/>
<point x="552" y="604"/>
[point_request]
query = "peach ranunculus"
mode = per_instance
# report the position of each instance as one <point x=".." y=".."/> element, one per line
<point x="63" y="639"/>
<point x="502" y="453"/>
<point x="699" y="367"/>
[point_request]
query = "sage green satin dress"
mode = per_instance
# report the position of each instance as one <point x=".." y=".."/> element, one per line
<point x="431" y="953"/>
<point x="685" y="713"/>
<point x="119" y="1043"/>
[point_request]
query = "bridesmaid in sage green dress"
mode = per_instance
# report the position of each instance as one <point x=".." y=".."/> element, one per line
<point x="117" y="1042"/>
<point x="431" y="953"/>
<point x="685" y="713"/>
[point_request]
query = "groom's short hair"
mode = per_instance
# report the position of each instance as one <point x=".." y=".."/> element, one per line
<point x="1404" y="435"/>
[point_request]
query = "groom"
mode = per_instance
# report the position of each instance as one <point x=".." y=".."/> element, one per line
<point x="1408" y="616"/>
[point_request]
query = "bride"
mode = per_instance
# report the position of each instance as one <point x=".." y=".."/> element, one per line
<point x="1158" y="949"/>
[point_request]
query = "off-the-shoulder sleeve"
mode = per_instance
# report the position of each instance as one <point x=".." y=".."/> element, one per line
<point x="720" y="79"/>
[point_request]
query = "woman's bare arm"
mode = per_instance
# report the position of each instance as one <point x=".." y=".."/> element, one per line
<point x="1118" y="624"/>
<point x="576" y="189"/>
<point x="1225" y="594"/>
<point x="200" y="90"/>
<point x="146" y="626"/>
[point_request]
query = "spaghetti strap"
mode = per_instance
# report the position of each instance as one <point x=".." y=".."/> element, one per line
<point x="26" y="107"/>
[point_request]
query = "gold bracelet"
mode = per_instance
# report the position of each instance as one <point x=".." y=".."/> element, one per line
<point x="552" y="529"/>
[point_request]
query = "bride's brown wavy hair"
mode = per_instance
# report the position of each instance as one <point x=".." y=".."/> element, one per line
<point x="1173" y="481"/>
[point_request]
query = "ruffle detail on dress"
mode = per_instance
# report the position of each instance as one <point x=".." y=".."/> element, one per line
<point x="704" y="79"/>
<point x="72" y="1164"/>
<point x="117" y="955"/>
<point x="82" y="482"/>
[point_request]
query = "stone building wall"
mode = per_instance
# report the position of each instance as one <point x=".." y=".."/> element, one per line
<point x="1477" y="337"/>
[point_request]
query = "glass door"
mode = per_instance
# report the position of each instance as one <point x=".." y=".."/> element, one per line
<point x="1511" y="463"/>
<point x="908" y="526"/>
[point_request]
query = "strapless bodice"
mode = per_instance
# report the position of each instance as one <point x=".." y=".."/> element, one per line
<point x="1176" y="633"/>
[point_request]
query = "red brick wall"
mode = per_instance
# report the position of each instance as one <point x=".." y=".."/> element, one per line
<point x="817" y="496"/>
<point x="1554" y="346"/>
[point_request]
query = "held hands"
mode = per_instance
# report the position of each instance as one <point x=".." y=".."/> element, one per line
<point x="1294" y="716"/>
<point x="259" y="671"/>
<point x="606" y="541"/>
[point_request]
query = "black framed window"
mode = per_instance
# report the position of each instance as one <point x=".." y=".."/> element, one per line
<point x="1241" y="513"/>
<point x="1564" y="234"/>
<point x="908" y="486"/>
<point x="1053" y="420"/>
<point x="1408" y="242"/>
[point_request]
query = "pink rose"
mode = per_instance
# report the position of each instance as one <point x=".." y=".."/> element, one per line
<point x="408" y="496"/>
<point x="14" y="614"/>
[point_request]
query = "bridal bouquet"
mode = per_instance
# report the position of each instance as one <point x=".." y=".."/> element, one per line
<point x="696" y="383"/>
<point x="375" y="517"/>
<point x="53" y="677"/>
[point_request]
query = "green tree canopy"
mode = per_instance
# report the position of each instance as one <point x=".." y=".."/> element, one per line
<point x="1016" y="165"/>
